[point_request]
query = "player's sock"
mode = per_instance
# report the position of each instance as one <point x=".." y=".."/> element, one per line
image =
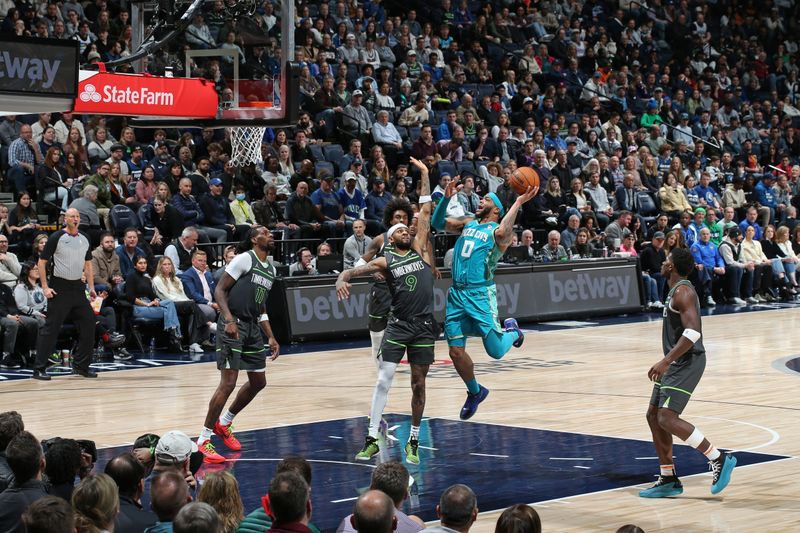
<point x="472" y="386"/>
<point x="498" y="343"/>
<point x="380" y="396"/>
<point x="376" y="337"/>
<point x="227" y="418"/>
<point x="414" y="432"/>
<point x="712" y="452"/>
<point x="205" y="434"/>
<point x="667" y="470"/>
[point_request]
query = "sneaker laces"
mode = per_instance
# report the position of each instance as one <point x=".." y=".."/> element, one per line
<point x="414" y="443"/>
<point x="715" y="466"/>
<point x="227" y="430"/>
<point x="207" y="446"/>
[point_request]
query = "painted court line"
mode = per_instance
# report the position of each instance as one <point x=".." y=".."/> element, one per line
<point x="489" y="455"/>
<point x="335" y="437"/>
<point x="345" y="500"/>
<point x="572" y="458"/>
<point x="583" y="467"/>
<point x="429" y="448"/>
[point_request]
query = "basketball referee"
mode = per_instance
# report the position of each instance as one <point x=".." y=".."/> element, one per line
<point x="71" y="255"/>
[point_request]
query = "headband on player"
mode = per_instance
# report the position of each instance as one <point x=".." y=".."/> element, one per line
<point x="497" y="203"/>
<point x="395" y="228"/>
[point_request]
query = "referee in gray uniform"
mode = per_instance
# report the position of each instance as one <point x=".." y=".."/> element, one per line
<point x="70" y="253"/>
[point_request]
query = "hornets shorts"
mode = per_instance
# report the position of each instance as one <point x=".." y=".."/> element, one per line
<point x="378" y="306"/>
<point x="470" y="312"/>
<point x="415" y="337"/>
<point x="677" y="385"/>
<point x="246" y="353"/>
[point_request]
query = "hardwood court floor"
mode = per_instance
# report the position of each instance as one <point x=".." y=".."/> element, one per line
<point x="587" y="380"/>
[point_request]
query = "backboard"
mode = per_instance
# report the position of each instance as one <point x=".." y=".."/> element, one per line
<point x="248" y="59"/>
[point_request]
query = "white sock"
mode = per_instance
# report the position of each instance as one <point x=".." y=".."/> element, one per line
<point x="414" y="432"/>
<point x="376" y="338"/>
<point x="205" y="434"/>
<point x="712" y="452"/>
<point x="380" y="396"/>
<point x="667" y="470"/>
<point x="227" y="418"/>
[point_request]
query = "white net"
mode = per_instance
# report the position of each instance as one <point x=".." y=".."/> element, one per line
<point x="246" y="144"/>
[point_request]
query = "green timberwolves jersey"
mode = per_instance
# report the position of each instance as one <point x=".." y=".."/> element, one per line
<point x="247" y="299"/>
<point x="410" y="281"/>
<point x="475" y="256"/>
<point x="672" y="329"/>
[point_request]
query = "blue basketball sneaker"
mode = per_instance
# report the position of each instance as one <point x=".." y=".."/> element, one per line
<point x="510" y="324"/>
<point x="721" y="469"/>
<point x="473" y="400"/>
<point x="665" y="487"/>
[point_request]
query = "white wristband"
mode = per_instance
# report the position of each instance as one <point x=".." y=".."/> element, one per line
<point x="425" y="199"/>
<point x="263" y="318"/>
<point x="692" y="335"/>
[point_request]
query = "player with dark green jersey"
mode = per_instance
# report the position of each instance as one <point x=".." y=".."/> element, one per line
<point x="675" y="377"/>
<point x="407" y="266"/>
<point x="242" y="295"/>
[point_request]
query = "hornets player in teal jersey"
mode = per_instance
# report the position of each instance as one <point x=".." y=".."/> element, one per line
<point x="407" y="265"/>
<point x="472" y="299"/>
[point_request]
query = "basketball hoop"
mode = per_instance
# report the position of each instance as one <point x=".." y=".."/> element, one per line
<point x="246" y="144"/>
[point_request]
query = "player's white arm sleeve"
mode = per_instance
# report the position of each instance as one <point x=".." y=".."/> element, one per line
<point x="692" y="335"/>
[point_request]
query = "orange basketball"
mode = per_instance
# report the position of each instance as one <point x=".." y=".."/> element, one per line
<point x="522" y="178"/>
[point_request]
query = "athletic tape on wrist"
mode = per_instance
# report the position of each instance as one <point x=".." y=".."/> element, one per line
<point x="425" y="199"/>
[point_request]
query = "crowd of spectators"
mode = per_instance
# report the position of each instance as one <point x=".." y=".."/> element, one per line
<point x="639" y="117"/>
<point x="52" y="487"/>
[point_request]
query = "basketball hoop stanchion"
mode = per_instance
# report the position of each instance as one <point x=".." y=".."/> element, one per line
<point x="246" y="144"/>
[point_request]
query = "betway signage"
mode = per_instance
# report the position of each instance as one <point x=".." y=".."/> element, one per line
<point x="47" y="67"/>
<point x="144" y="95"/>
<point x="578" y="290"/>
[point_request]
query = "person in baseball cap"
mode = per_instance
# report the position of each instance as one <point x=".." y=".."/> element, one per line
<point x="174" y="448"/>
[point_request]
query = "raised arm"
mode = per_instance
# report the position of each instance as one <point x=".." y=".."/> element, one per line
<point x="373" y="248"/>
<point x="422" y="239"/>
<point x="505" y="232"/>
<point x="343" y="281"/>
<point x="440" y="220"/>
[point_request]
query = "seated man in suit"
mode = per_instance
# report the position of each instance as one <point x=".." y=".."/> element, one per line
<point x="198" y="284"/>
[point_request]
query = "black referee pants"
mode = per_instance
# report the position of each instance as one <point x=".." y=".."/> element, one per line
<point x="70" y="301"/>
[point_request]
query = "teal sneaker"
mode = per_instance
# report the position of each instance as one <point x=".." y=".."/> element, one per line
<point x="412" y="451"/>
<point x="369" y="450"/>
<point x="721" y="468"/>
<point x="665" y="487"/>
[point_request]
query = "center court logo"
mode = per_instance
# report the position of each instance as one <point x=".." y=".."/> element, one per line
<point x="111" y="94"/>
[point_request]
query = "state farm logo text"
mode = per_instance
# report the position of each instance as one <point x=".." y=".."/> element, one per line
<point x="113" y="95"/>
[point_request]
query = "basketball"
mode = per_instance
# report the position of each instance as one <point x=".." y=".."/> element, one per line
<point x="522" y="178"/>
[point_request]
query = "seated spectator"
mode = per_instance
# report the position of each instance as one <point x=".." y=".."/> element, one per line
<point x="304" y="264"/>
<point x="327" y="202"/>
<point x="128" y="473"/>
<point x="553" y="251"/>
<point x="52" y="181"/>
<point x="242" y="211"/>
<point x="26" y="461"/>
<point x="106" y="265"/>
<point x="651" y="259"/>
<point x="739" y="274"/>
<point x="175" y="452"/>
<point x="373" y="512"/>
<point x="14" y="323"/>
<point x="128" y="250"/>
<point x="290" y="503"/>
<point x="217" y="214"/>
<point x="220" y="491"/>
<point x="618" y="229"/>
<point x="50" y="514"/>
<point x="168" y="286"/>
<point x="23" y="155"/>
<point x="763" y="273"/>
<point x="198" y="283"/>
<point x="63" y="463"/>
<point x="11" y="425"/>
<point x="9" y="264"/>
<point x="356" y="244"/>
<point x="708" y="266"/>
<point x="570" y="233"/>
<point x="199" y="516"/>
<point x="181" y="249"/>
<point x="457" y="510"/>
<point x="519" y="518"/>
<point x="389" y="478"/>
<point x="415" y="115"/>
<point x="467" y="197"/>
<point x="301" y="211"/>
<point x="165" y="221"/>
<point x="139" y="292"/>
<point x="23" y="224"/>
<point x="355" y="117"/>
<point x="168" y="494"/>
<point x="96" y="503"/>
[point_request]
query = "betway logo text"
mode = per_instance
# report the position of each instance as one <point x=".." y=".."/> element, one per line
<point x="33" y="69"/>
<point x="587" y="286"/>
<point x="112" y="95"/>
<point x="327" y="306"/>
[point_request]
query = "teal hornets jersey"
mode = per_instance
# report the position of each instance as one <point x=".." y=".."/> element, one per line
<point x="476" y="255"/>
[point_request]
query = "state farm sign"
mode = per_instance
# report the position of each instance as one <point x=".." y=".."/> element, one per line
<point x="144" y="95"/>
